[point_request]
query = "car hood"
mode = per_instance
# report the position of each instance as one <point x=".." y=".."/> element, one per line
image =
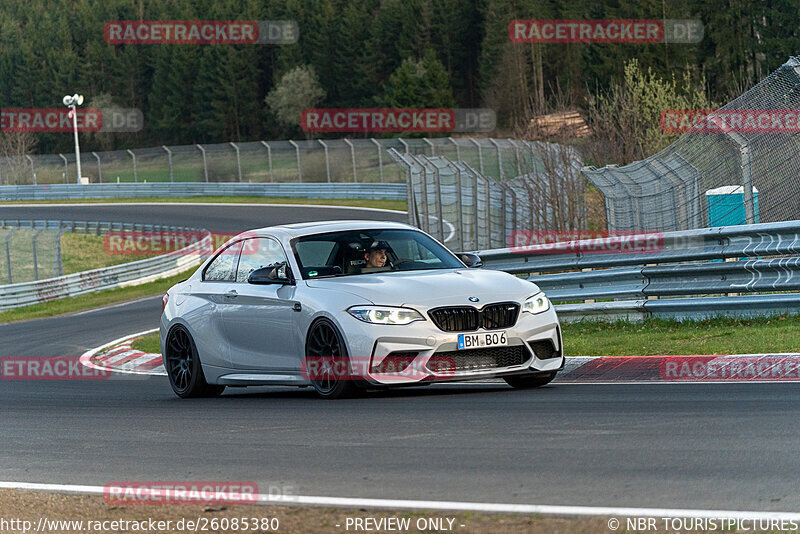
<point x="432" y="288"/>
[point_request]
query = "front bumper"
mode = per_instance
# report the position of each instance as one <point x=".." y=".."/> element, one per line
<point x="429" y="354"/>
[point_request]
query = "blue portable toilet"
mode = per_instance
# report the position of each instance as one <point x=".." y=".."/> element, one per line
<point x="725" y="205"/>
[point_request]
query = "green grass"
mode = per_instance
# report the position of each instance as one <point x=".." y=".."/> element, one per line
<point x="21" y="254"/>
<point x="92" y="300"/>
<point x="83" y="252"/>
<point x="399" y="205"/>
<point x="149" y="343"/>
<point x="657" y="337"/>
<point x="79" y="252"/>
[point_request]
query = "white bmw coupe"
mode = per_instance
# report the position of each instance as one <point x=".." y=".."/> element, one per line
<point x="345" y="305"/>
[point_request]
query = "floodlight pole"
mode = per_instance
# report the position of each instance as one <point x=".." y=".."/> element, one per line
<point x="72" y="102"/>
<point x="77" y="146"/>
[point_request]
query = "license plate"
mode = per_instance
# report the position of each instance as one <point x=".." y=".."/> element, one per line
<point x="475" y="341"/>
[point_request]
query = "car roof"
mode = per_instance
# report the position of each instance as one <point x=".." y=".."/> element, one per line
<point x="308" y="228"/>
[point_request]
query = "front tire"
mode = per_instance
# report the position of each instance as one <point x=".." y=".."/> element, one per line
<point x="326" y="353"/>
<point x="183" y="366"/>
<point x="529" y="381"/>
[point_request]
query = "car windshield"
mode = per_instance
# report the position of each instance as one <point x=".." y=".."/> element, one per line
<point x="361" y="252"/>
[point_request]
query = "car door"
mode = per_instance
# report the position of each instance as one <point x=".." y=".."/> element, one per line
<point x="205" y="316"/>
<point x="259" y="318"/>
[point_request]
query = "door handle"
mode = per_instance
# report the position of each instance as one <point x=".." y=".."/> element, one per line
<point x="231" y="293"/>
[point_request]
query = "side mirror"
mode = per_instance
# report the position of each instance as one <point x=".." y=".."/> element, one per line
<point x="473" y="261"/>
<point x="271" y="274"/>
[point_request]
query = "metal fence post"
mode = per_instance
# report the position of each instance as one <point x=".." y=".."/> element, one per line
<point x="405" y="145"/>
<point x="33" y="171"/>
<point x="516" y="155"/>
<point x="380" y="157"/>
<point x="488" y="202"/>
<point x="747" y="186"/>
<point x="458" y="149"/>
<point x="33" y="247"/>
<point x="100" y="168"/>
<point x="205" y="163"/>
<point x="8" y="254"/>
<point x="169" y="157"/>
<point x="460" y="201"/>
<point x="426" y="221"/>
<point x="327" y="161"/>
<point x="238" y="159"/>
<point x="476" y="217"/>
<point x="480" y="154"/>
<point x="433" y="148"/>
<point x="299" y="168"/>
<point x="508" y="229"/>
<point x="499" y="158"/>
<point x="135" y="173"/>
<point x="66" y="168"/>
<point x="269" y="157"/>
<point x="58" y="264"/>
<point x="352" y="157"/>
<point x="439" y="212"/>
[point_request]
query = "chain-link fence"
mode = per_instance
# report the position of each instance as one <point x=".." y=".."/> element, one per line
<point x="31" y="250"/>
<point x="469" y="210"/>
<point x="715" y="178"/>
<point x="29" y="253"/>
<point x="319" y="160"/>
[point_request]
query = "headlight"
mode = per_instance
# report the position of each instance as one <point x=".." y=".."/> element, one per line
<point x="536" y="304"/>
<point x="385" y="314"/>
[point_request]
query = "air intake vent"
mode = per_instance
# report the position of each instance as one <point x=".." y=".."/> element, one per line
<point x="467" y="318"/>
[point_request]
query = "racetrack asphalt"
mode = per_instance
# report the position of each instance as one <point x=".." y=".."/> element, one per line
<point x="215" y="217"/>
<point x="717" y="446"/>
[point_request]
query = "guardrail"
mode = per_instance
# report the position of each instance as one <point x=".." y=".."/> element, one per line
<point x="126" y="274"/>
<point x="636" y="285"/>
<point x="189" y="189"/>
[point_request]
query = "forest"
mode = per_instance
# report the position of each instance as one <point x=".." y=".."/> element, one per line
<point x="361" y="53"/>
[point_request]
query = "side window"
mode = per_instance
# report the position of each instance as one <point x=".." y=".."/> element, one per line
<point x="315" y="253"/>
<point x="222" y="268"/>
<point x="256" y="253"/>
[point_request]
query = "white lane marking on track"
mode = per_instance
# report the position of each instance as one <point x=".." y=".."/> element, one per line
<point x="247" y="204"/>
<point x="452" y="505"/>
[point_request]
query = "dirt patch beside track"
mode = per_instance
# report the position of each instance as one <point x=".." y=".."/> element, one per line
<point x="34" y="506"/>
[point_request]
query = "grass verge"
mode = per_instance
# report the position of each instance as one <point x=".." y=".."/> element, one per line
<point x="657" y="337"/>
<point x="83" y="252"/>
<point x="149" y="343"/>
<point x="92" y="300"/>
<point x="399" y="205"/>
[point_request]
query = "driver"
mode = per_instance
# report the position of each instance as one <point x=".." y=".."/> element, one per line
<point x="375" y="255"/>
